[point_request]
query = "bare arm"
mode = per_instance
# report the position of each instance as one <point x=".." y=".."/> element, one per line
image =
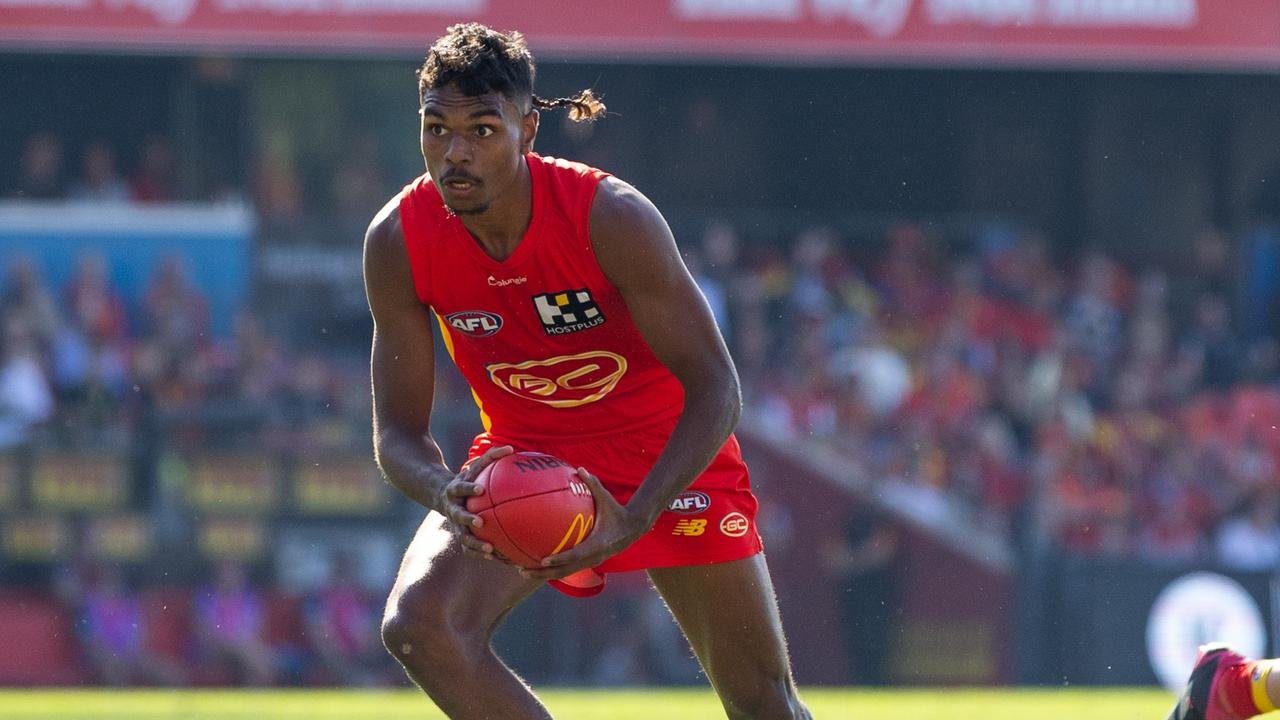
<point x="402" y="368"/>
<point x="638" y="254"/>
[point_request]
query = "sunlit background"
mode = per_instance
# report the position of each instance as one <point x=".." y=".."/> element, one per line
<point x="1000" y="280"/>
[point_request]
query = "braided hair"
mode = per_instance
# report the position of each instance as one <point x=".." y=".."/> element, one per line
<point x="481" y="60"/>
<point x="583" y="106"/>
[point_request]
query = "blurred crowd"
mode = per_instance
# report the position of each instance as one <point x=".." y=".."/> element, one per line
<point x="46" y="170"/>
<point x="1080" y="402"/>
<point x="84" y="365"/>
<point x="231" y="629"/>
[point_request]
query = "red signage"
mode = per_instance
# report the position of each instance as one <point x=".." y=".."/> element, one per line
<point x="1088" y="33"/>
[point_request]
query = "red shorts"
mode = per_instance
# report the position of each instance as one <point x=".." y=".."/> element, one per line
<point x="713" y="521"/>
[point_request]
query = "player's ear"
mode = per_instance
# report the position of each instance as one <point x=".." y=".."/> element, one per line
<point x="528" y="130"/>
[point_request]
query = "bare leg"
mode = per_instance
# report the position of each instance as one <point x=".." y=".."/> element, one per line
<point x="730" y="616"/>
<point x="440" y="620"/>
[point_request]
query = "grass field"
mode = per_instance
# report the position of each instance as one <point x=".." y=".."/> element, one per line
<point x="1134" y="704"/>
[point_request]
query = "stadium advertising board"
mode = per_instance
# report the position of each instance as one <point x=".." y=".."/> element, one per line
<point x="1181" y="33"/>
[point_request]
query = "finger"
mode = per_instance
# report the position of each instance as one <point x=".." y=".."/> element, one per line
<point x="596" y="487"/>
<point x="474" y="545"/>
<point x="485" y="460"/>
<point x="568" y="557"/>
<point x="499" y="451"/>
<point x="462" y="518"/>
<point x="461" y="489"/>
<point x="551" y="573"/>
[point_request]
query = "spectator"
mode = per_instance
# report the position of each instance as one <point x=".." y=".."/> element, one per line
<point x="27" y="297"/>
<point x="25" y="397"/>
<point x="882" y="375"/>
<point x="40" y="169"/>
<point x="175" y="313"/>
<point x="229" y="623"/>
<point x="342" y="628"/>
<point x="96" y="307"/>
<point x="88" y="359"/>
<point x="100" y="180"/>
<point x="113" y="634"/>
<point x="1211" y="353"/>
<point x="153" y="180"/>
<point x="359" y="184"/>
<point x="712" y="289"/>
<point x="1250" y="541"/>
<point x="864" y="563"/>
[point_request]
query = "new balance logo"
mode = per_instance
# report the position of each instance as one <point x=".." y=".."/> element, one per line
<point x="690" y="527"/>
<point x="567" y="311"/>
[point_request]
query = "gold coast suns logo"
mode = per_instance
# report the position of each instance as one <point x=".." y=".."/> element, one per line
<point x="561" y="381"/>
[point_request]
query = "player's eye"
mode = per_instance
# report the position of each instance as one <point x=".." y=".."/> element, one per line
<point x="436" y="129"/>
<point x="484" y="131"/>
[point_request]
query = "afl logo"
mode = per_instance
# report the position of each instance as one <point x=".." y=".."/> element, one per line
<point x="475" y="323"/>
<point x="691" y="502"/>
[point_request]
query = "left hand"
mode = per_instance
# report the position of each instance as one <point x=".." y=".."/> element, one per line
<point x="615" y="529"/>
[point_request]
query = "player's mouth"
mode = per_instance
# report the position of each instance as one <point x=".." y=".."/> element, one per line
<point x="461" y="186"/>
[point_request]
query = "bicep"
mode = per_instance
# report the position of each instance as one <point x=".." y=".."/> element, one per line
<point x="638" y="254"/>
<point x="402" y="360"/>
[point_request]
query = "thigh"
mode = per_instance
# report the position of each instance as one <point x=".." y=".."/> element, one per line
<point x="729" y="613"/>
<point x="438" y="585"/>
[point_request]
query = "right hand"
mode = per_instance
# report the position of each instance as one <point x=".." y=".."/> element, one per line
<point x="452" y="503"/>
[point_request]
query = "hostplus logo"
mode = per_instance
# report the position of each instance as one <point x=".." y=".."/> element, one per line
<point x="567" y="311"/>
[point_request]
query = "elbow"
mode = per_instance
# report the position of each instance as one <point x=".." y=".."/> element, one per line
<point x="383" y="442"/>
<point x="731" y="400"/>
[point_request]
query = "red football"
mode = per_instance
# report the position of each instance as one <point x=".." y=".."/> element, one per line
<point x="534" y="505"/>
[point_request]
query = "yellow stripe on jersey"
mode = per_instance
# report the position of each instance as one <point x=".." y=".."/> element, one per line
<point x="1258" y="686"/>
<point x="448" y="345"/>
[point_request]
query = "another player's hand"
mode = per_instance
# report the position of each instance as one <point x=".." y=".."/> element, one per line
<point x="614" y="530"/>
<point x="452" y="502"/>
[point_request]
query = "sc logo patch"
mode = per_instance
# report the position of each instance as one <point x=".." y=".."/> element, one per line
<point x="567" y="311"/>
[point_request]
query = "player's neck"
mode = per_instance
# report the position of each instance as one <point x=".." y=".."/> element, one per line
<point x="498" y="229"/>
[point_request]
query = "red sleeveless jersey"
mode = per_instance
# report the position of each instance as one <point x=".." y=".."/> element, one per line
<point x="543" y="338"/>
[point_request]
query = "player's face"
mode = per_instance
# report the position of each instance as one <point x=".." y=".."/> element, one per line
<point x="474" y="146"/>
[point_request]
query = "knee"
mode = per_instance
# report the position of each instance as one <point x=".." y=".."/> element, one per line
<point x="419" y="634"/>
<point x="400" y="636"/>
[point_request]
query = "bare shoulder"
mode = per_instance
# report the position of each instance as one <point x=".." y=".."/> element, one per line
<point x="385" y="235"/>
<point x="387" y="276"/>
<point x="629" y="234"/>
<point x="620" y="207"/>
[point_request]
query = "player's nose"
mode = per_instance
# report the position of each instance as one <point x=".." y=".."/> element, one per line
<point x="457" y="151"/>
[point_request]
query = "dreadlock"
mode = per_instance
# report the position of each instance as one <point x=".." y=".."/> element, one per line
<point x="584" y="106"/>
<point x="480" y="60"/>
